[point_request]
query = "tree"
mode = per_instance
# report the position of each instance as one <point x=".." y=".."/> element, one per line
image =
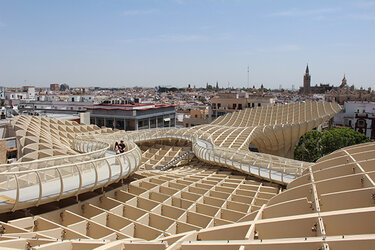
<point x="314" y="144"/>
<point x="337" y="138"/>
<point x="308" y="147"/>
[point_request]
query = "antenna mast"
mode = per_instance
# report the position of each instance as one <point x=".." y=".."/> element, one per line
<point x="248" y="82"/>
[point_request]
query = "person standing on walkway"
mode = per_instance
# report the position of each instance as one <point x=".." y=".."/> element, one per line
<point x="117" y="148"/>
<point x="122" y="146"/>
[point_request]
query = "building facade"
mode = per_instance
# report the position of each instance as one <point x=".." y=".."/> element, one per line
<point x="58" y="107"/>
<point x="359" y="116"/>
<point x="230" y="102"/>
<point x="64" y="87"/>
<point x="133" y="116"/>
<point x="197" y="116"/>
<point x="320" y="89"/>
<point x="54" y="87"/>
<point x="365" y="124"/>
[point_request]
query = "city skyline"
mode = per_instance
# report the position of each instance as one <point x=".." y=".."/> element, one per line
<point x="149" y="43"/>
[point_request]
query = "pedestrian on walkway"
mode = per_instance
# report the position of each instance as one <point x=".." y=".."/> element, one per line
<point x="122" y="146"/>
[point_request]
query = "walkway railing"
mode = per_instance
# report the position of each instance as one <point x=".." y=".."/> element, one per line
<point x="269" y="167"/>
<point x="243" y="162"/>
<point x="90" y="150"/>
<point x="35" y="186"/>
<point x="176" y="160"/>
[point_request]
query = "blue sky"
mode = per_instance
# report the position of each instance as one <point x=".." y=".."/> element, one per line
<point x="120" y="43"/>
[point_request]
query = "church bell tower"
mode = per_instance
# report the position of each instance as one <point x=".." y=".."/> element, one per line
<point x="306" y="82"/>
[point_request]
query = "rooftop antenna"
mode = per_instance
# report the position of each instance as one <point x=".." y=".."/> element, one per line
<point x="248" y="82"/>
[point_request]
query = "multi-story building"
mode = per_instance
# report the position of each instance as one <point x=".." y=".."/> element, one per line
<point x="2" y="92"/>
<point x="64" y="87"/>
<point x="27" y="92"/>
<point x="365" y="123"/>
<point x="230" y="102"/>
<point x="30" y="90"/>
<point x="15" y="95"/>
<point x="133" y="116"/>
<point x="197" y="116"/>
<point x="58" y="107"/>
<point x="54" y="87"/>
<point x="358" y="115"/>
<point x="81" y="98"/>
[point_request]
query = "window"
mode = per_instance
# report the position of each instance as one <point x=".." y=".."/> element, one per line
<point x="234" y="106"/>
<point x="239" y="106"/>
<point x="196" y="116"/>
<point x="218" y="105"/>
<point x="258" y="104"/>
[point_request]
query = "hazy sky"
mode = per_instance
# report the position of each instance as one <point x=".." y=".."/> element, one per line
<point x="120" y="43"/>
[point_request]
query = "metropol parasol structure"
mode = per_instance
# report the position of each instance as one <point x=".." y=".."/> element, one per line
<point x="187" y="188"/>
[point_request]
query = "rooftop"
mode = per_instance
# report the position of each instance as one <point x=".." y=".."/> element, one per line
<point x="197" y="188"/>
<point x="129" y="106"/>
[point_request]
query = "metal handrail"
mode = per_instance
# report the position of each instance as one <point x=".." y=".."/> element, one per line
<point x="276" y="169"/>
<point x="63" y="165"/>
<point x="97" y="153"/>
<point x="176" y="160"/>
<point x="77" y="169"/>
<point x="209" y="155"/>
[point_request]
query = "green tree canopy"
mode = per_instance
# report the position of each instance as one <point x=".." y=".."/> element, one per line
<point x="314" y="144"/>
